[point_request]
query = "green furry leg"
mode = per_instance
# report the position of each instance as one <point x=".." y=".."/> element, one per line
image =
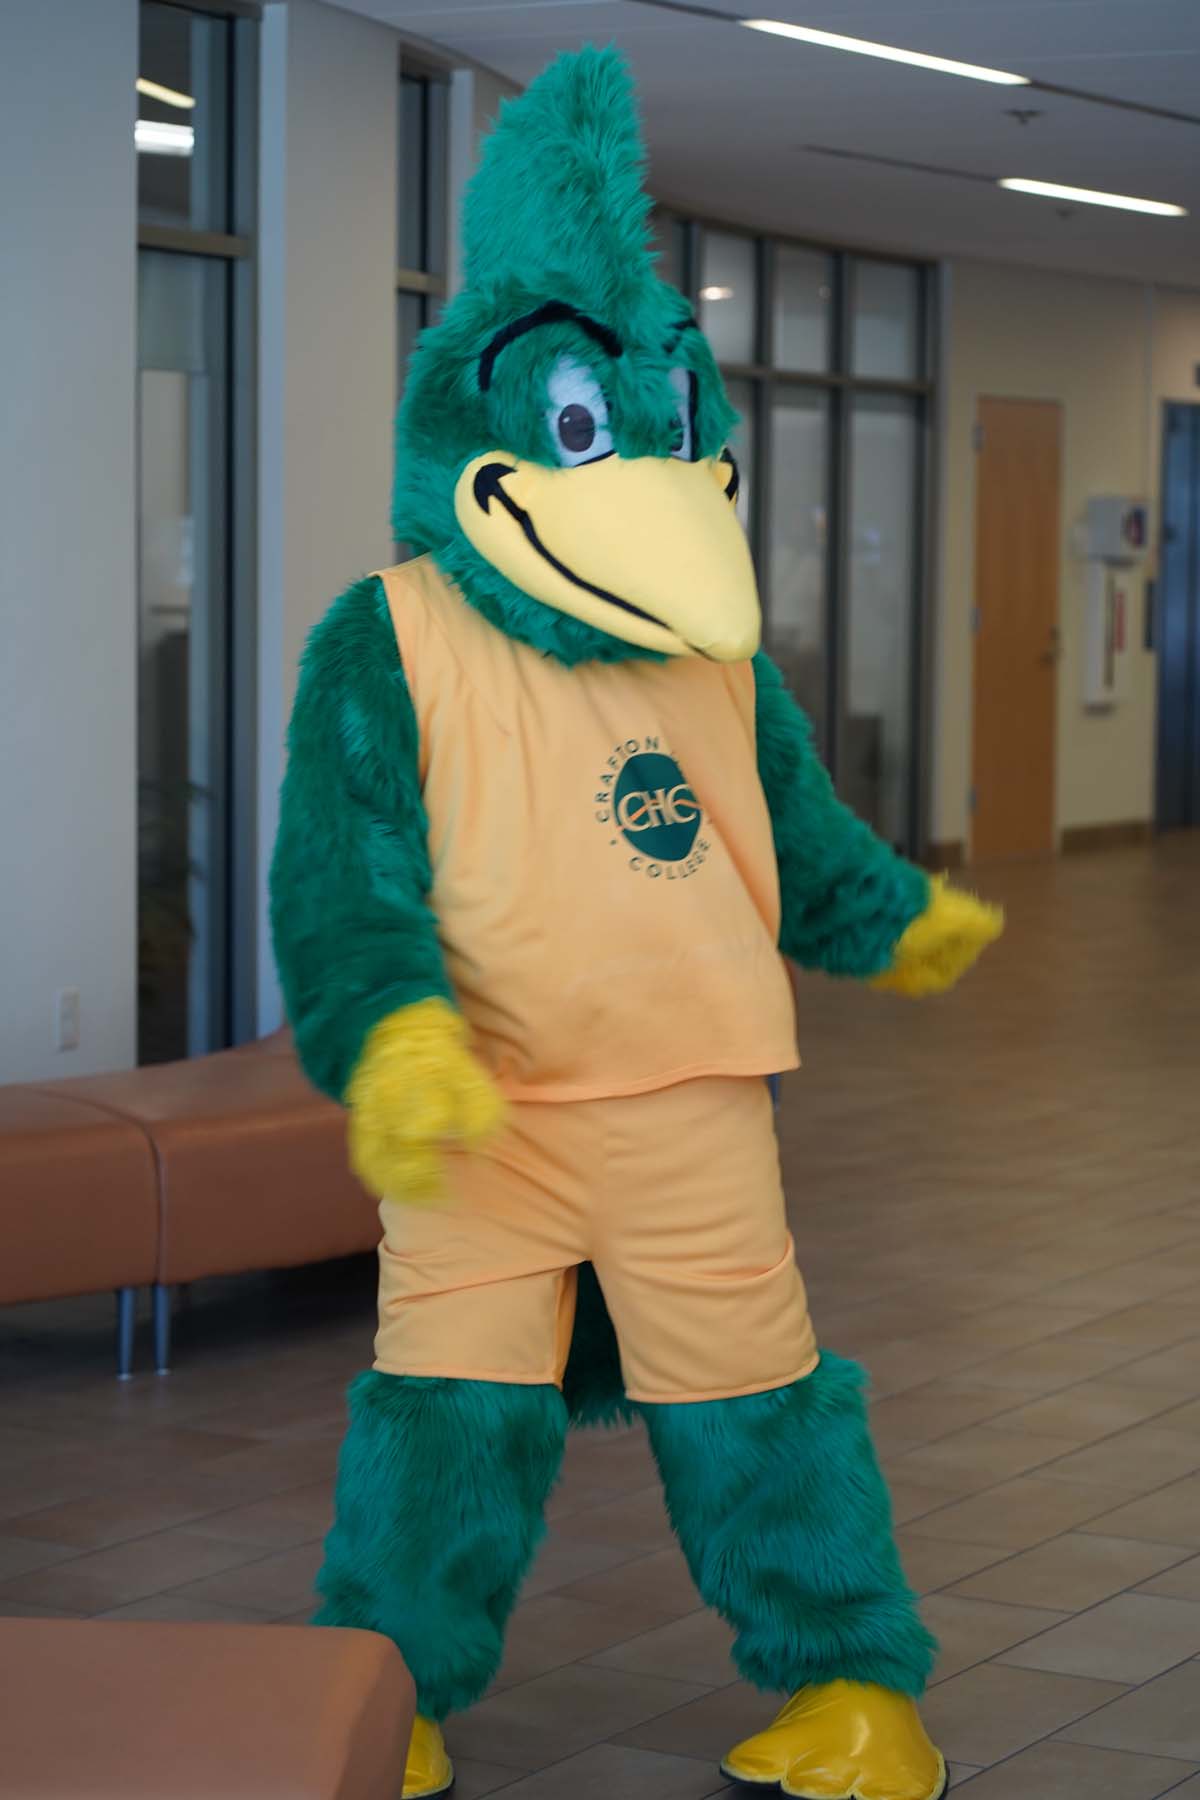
<point x="440" y="1491"/>
<point x="592" y="1384"/>
<point x="786" y="1524"/>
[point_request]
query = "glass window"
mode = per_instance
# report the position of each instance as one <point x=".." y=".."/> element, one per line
<point x="668" y="237"/>
<point x="797" y="549"/>
<point x="742" y="396"/>
<point x="729" y="296"/>
<point x="886" y="320"/>
<point x="182" y="119"/>
<point x="421" y="188"/>
<point x="410" y="322"/>
<point x="834" y="519"/>
<point x="437" y="105"/>
<point x="803" y="308"/>
<point x="876" y="748"/>
<point x="183" y="331"/>
<point x="410" y="187"/>
<point x="422" y="216"/>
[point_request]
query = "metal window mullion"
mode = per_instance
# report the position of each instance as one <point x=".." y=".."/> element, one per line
<point x="692" y="259"/>
<point x="734" y="228"/>
<point x="914" y="833"/>
<point x="180" y="240"/>
<point x="247" y="10"/>
<point x="764" y="324"/>
<point x="824" y="378"/>
<point x="837" y="529"/>
<point x="209" y="450"/>
<point x="925" y="566"/>
<point x="762" y="388"/>
<point x="419" y="281"/>
<point x="1191" y="684"/>
<point x="242" y="731"/>
<point x="424" y="136"/>
<point x="762" y="495"/>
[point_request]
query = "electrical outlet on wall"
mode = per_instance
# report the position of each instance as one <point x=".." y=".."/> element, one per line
<point x="66" y="1019"/>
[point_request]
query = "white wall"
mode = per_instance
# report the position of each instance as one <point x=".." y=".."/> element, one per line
<point x="1175" y="325"/>
<point x="67" y="566"/>
<point x="1110" y="352"/>
<point x="327" y="350"/>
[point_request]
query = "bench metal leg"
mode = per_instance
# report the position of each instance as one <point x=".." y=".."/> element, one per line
<point x="126" y="1320"/>
<point x="162" y="1328"/>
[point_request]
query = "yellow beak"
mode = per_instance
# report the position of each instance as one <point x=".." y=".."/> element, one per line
<point x="648" y="550"/>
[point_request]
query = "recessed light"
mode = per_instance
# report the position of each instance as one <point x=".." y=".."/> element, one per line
<point x="153" y="138"/>
<point x="716" y="293"/>
<point x="1053" y="190"/>
<point x="154" y="90"/>
<point x="832" y="40"/>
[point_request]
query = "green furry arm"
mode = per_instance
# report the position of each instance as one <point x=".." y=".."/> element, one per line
<point x="847" y="897"/>
<point x="354" y="934"/>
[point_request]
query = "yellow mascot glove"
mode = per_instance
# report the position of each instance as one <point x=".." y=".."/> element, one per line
<point x="941" y="943"/>
<point x="416" y="1088"/>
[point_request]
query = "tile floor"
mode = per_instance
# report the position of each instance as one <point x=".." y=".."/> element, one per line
<point x="997" y="1204"/>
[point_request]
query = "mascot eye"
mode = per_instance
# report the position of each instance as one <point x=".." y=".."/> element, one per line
<point x="576" y="428"/>
<point x="683" y="384"/>
<point x="577" y="414"/>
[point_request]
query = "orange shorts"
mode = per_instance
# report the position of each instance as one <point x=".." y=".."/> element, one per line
<point x="675" y="1197"/>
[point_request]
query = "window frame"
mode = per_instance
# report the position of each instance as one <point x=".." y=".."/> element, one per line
<point x="235" y="699"/>
<point x="427" y="283"/>
<point x="766" y="379"/>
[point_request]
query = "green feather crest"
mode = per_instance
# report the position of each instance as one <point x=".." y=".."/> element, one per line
<point x="556" y="212"/>
<point x="558" y="207"/>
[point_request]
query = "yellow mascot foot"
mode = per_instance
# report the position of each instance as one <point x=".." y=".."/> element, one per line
<point x="429" y="1769"/>
<point x="844" y="1740"/>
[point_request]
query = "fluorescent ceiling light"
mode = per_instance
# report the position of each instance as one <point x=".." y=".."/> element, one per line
<point x="1051" y="190"/>
<point x="156" y="139"/>
<point x="716" y="293"/>
<point x="832" y="40"/>
<point x="154" y="90"/>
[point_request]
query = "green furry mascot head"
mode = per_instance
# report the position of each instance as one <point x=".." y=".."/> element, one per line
<point x="561" y="447"/>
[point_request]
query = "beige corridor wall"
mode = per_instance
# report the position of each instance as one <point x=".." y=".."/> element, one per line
<point x="1110" y="352"/>
<point x="327" y="354"/>
<point x="68" y="588"/>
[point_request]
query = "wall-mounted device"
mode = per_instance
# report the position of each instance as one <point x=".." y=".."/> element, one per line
<point x="1115" y="540"/>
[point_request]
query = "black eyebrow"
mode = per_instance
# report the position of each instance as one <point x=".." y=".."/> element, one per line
<point x="688" y="324"/>
<point x="552" y="313"/>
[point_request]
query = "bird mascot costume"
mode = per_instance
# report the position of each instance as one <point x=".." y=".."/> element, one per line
<point x="550" y="827"/>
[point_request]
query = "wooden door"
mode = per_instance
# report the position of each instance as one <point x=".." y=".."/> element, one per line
<point x="1018" y="544"/>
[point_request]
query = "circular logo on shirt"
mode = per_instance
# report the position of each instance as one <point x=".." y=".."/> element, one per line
<point x="647" y="805"/>
<point x="655" y="807"/>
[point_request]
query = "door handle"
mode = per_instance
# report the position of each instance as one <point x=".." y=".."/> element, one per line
<point x="1053" y="654"/>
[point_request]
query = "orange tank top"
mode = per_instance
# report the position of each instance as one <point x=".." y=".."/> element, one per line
<point x="604" y="874"/>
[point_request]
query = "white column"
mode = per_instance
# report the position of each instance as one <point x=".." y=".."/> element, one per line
<point x="327" y="352"/>
<point x="68" y="778"/>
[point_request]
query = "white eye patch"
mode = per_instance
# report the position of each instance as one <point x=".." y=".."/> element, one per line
<point x="577" y="413"/>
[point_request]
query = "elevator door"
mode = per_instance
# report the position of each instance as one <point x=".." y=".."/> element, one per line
<point x="1178" y="800"/>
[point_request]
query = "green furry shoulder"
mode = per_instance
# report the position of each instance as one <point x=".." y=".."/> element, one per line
<point x="353" y="930"/>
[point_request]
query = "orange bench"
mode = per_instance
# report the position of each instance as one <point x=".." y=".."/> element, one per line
<point x="218" y="1166"/>
<point x="105" y="1711"/>
<point x="80" y="1204"/>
